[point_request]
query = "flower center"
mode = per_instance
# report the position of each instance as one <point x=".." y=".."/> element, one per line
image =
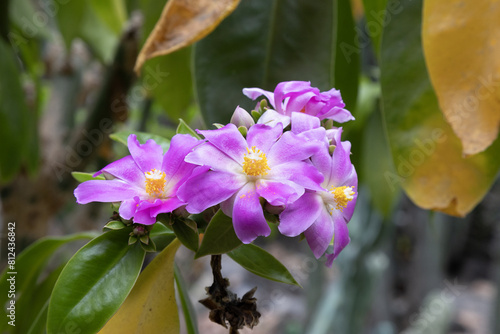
<point x="155" y="182"/>
<point x="342" y="195"/>
<point x="255" y="162"/>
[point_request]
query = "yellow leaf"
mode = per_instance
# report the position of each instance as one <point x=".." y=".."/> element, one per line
<point x="182" y="23"/>
<point x="150" y="307"/>
<point x="461" y="41"/>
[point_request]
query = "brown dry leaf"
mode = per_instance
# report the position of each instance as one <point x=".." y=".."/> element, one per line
<point x="182" y="23"/>
<point x="461" y="42"/>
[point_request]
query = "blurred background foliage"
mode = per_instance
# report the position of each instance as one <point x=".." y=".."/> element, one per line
<point x="67" y="83"/>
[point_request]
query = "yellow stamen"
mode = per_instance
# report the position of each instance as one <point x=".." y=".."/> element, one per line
<point x="255" y="162"/>
<point x="342" y="196"/>
<point x="155" y="182"/>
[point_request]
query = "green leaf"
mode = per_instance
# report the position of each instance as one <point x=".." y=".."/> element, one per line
<point x="31" y="315"/>
<point x="161" y="235"/>
<point x="345" y="72"/>
<point x="111" y="12"/>
<point x="94" y="283"/>
<point x="427" y="154"/>
<point x="122" y="137"/>
<point x="187" y="307"/>
<point x="82" y="177"/>
<point x="14" y="115"/>
<point x="375" y="14"/>
<point x="97" y="34"/>
<point x="219" y="236"/>
<point x="376" y="163"/>
<point x="150" y="306"/>
<point x="261" y="263"/>
<point x="30" y="263"/>
<point x="70" y="17"/>
<point x="168" y="80"/>
<point x="249" y="49"/>
<point x="186" y="234"/>
<point x="184" y="128"/>
<point x="114" y="225"/>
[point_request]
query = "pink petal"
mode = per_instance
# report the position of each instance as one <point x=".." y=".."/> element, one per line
<point x="263" y="136"/>
<point x="319" y="234"/>
<point x="105" y="191"/>
<point x="127" y="170"/>
<point x="227" y="139"/>
<point x="208" y="189"/>
<point x="248" y="216"/>
<point x="301" y="214"/>
<point x="254" y="93"/>
<point x="147" y="156"/>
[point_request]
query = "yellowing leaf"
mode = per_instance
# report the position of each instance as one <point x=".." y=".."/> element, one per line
<point x="150" y="307"/>
<point x="461" y="42"/>
<point x="427" y="154"/>
<point x="182" y="23"/>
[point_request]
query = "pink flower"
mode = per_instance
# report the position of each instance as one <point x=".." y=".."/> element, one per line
<point x="146" y="181"/>
<point x="299" y="96"/>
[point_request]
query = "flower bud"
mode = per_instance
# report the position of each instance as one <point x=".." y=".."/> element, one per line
<point x="242" y="118"/>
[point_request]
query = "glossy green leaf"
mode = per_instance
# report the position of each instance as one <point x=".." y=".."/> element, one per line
<point x="151" y="305"/>
<point x="161" y="235"/>
<point x="40" y="322"/>
<point x="122" y="137"/>
<point x="19" y="11"/>
<point x="261" y="263"/>
<point x="427" y="155"/>
<point x="31" y="262"/>
<point x="186" y="234"/>
<point x="184" y="128"/>
<point x="13" y="115"/>
<point x="187" y="307"/>
<point x="111" y="12"/>
<point x="70" y="17"/>
<point x="264" y="42"/>
<point x="219" y="237"/>
<point x="376" y="17"/>
<point x="82" y="177"/>
<point x="94" y="283"/>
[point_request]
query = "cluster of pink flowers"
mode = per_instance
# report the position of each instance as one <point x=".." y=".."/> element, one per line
<point x="283" y="164"/>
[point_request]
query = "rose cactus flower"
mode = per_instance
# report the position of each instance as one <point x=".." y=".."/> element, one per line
<point x="323" y="215"/>
<point x="299" y="96"/>
<point x="146" y="181"/>
<point x="268" y="164"/>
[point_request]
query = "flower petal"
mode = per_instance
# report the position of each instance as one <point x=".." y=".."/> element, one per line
<point x="254" y="93"/>
<point x="173" y="163"/>
<point x="128" y="207"/>
<point x="303" y="122"/>
<point x="167" y="205"/>
<point x="248" y="217"/>
<point x="208" y="189"/>
<point x="104" y="191"/>
<point x="272" y="118"/>
<point x="263" y="136"/>
<point x="319" y="234"/>
<point x="229" y="140"/>
<point x="127" y="170"/>
<point x="301" y="214"/>
<point x="208" y="155"/>
<point x="341" y="234"/>
<point x="147" y="156"/>
<point x="281" y="192"/>
<point x="299" y="172"/>
<point x="291" y="147"/>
